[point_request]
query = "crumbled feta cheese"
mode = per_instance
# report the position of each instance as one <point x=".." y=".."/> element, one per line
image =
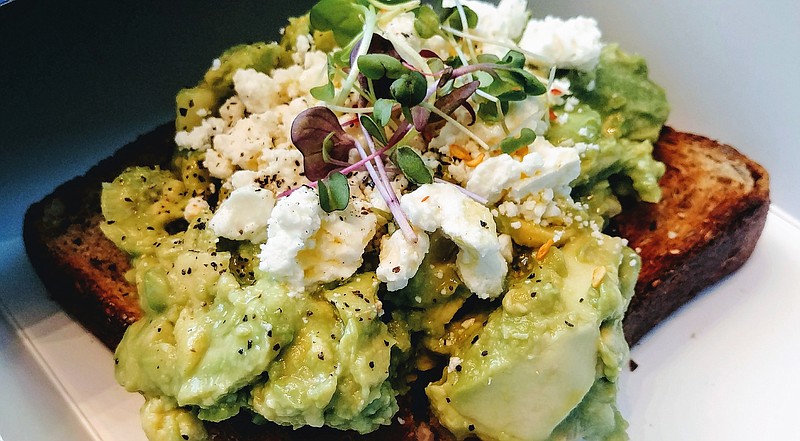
<point x="199" y="138"/>
<point x="469" y="225"/>
<point x="546" y="166"/>
<point x="503" y="23"/>
<point x="305" y="245"/>
<point x="572" y="43"/>
<point x="400" y="259"/>
<point x="243" y="214"/>
<point x="506" y="247"/>
<point x="195" y="207"/>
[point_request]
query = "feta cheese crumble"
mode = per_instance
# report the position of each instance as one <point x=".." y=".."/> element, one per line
<point x="470" y="225"/>
<point x="572" y="43"/>
<point x="306" y="246"/>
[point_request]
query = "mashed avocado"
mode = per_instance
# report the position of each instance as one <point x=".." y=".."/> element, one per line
<point x="295" y="321"/>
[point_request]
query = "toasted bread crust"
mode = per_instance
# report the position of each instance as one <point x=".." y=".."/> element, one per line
<point x="712" y="215"/>
<point x="714" y="206"/>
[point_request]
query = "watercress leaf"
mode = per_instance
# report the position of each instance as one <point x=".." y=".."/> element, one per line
<point x="426" y="22"/>
<point x="410" y="89"/>
<point x="412" y="165"/>
<point x="373" y="129"/>
<point x="382" y="111"/>
<point x="344" y="17"/>
<point x="334" y="192"/>
<point x="309" y="131"/>
<point x="510" y="144"/>
<point x="377" y="66"/>
<point x="452" y="18"/>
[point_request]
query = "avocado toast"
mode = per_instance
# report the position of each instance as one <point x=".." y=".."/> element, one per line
<point x="759" y="200"/>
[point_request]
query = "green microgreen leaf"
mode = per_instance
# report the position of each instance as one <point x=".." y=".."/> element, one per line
<point x="327" y="146"/>
<point x="334" y="192"/>
<point x="427" y="22"/>
<point x="377" y="66"/>
<point x="487" y="111"/>
<point x="452" y="18"/>
<point x="413" y="167"/>
<point x="382" y="111"/>
<point x="373" y="129"/>
<point x="513" y="59"/>
<point x="326" y="92"/>
<point x="511" y="143"/>
<point x="410" y="89"/>
<point x="529" y="83"/>
<point x="488" y="58"/>
<point x="505" y="90"/>
<point x="343" y="17"/>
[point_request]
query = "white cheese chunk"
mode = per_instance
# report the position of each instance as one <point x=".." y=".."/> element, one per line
<point x="470" y="225"/>
<point x="306" y="246"/>
<point x="572" y="43"/>
<point x="400" y="259"/>
<point x="243" y="215"/>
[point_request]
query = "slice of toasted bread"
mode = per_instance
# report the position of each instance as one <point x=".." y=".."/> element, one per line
<point x="713" y="211"/>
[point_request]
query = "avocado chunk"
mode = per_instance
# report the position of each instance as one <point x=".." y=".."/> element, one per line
<point x="556" y="334"/>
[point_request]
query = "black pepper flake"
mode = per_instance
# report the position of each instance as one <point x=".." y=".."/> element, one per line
<point x="447" y="399"/>
<point x="309" y="313"/>
<point x="569" y="324"/>
<point x="471" y="427"/>
<point x="249" y="344"/>
<point x="580" y="300"/>
<point x="241" y="351"/>
<point x="184" y="436"/>
<point x="277" y="347"/>
<point x="183" y="112"/>
<point x="533" y="294"/>
<point x="244" y="319"/>
<point x="386" y="343"/>
<point x="484" y="353"/>
<point x="475" y="339"/>
<point x="633" y="365"/>
<point x="269" y="333"/>
<point x="458" y="368"/>
<point x="159" y="329"/>
<point x="116" y="361"/>
<point x="396" y="269"/>
<point x="483" y="224"/>
<point x="372" y="365"/>
<point x="128" y="199"/>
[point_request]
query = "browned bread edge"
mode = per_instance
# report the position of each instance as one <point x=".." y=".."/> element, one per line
<point x="84" y="272"/>
<point x="705" y="227"/>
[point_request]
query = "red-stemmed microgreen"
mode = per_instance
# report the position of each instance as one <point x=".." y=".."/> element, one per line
<point x="389" y="75"/>
<point x="309" y="132"/>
